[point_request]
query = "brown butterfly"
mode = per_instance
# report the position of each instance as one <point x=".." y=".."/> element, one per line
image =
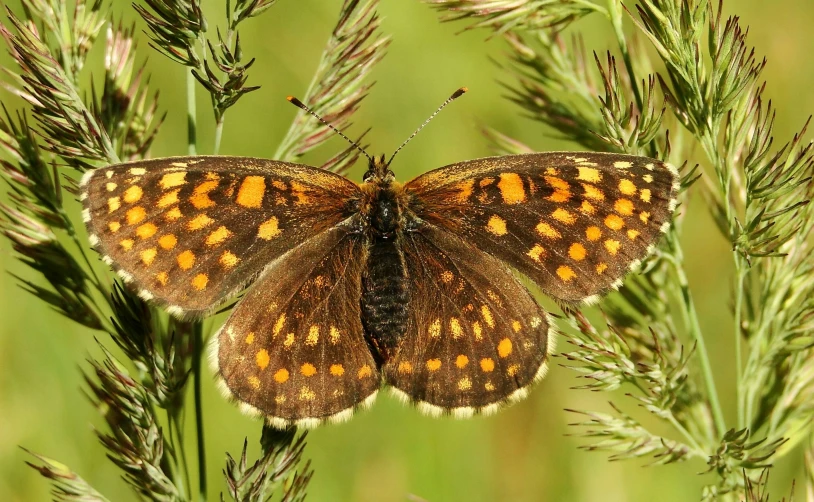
<point x="358" y="285"/>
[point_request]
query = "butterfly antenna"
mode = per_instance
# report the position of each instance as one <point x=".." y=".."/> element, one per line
<point x="455" y="95"/>
<point x="299" y="104"/>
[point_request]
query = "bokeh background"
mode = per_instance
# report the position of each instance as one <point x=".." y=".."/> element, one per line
<point x="391" y="452"/>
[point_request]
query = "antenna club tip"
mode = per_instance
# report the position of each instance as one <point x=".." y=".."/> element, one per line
<point x="290" y="98"/>
<point x="459" y="92"/>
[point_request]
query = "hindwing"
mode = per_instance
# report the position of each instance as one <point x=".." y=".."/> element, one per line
<point x="573" y="222"/>
<point x="475" y="338"/>
<point x="293" y="349"/>
<point x="190" y="231"/>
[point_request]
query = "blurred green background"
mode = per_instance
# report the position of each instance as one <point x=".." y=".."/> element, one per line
<point x="391" y="453"/>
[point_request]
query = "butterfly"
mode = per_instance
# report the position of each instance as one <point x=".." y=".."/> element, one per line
<point x="353" y="286"/>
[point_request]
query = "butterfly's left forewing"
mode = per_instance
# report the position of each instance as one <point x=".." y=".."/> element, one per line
<point x="190" y="231"/>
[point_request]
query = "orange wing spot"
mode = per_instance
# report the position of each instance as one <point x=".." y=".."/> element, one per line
<point x="169" y="198"/>
<point x="589" y="174"/>
<point x="364" y="371"/>
<point x="312" y="337"/>
<point x="146" y="231"/>
<point x="577" y="252"/>
<point x="173" y="214"/>
<point x="489" y="386"/>
<point x="111" y="186"/>
<point x="632" y="234"/>
<point x="279" y="185"/>
<point x="593" y="233"/>
<point x="614" y="222"/>
<point x="298" y="190"/>
<point x="289" y="340"/>
<point x="186" y="260"/>
<point x="513" y="369"/>
<point x="612" y="246"/>
<point x="308" y="370"/>
<point x="516" y="326"/>
<point x="254" y="382"/>
<point x="465" y="189"/>
<point x="433" y="364"/>
<point x="547" y="230"/>
<point x="627" y="187"/>
<point x="487" y="365"/>
<point x="536" y="253"/>
<point x="476" y="328"/>
<point x="262" y="359"/>
<point x="593" y="192"/>
<point x="487" y="316"/>
<point x="511" y="188"/>
<point x="171" y="180"/>
<point x="200" y="281"/>
<point x="455" y="328"/>
<point x="113" y="204"/>
<point x="148" y="255"/>
<point x="461" y="361"/>
<point x="435" y="328"/>
<point x="644" y="216"/>
<point x="218" y="236"/>
<point x="644" y="194"/>
<point x="212" y="176"/>
<point x="281" y="375"/>
<point x="405" y="368"/>
<point x="269" y="229"/>
<point x="600" y="268"/>
<point x="162" y="278"/>
<point x="334" y="335"/>
<point x="562" y="191"/>
<point x="199" y="222"/>
<point x="250" y="338"/>
<point x="200" y="196"/>
<point x="127" y="244"/>
<point x="337" y="370"/>
<point x="504" y="348"/>
<point x="251" y="191"/>
<point x="133" y="194"/>
<point x="566" y="273"/>
<point x="624" y="207"/>
<point x="114" y="226"/>
<point x="587" y="208"/>
<point x="552" y="171"/>
<point x="167" y="241"/>
<point x="485" y="182"/>
<point x="464" y="383"/>
<point x="447" y="276"/>
<point x="563" y="216"/>
<point x="496" y="225"/>
<point x="279" y="324"/>
<point x="136" y="215"/>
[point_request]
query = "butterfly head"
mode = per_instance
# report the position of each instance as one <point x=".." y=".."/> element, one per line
<point x="378" y="171"/>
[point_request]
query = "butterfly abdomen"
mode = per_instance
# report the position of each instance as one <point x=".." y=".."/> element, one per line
<point x="384" y="297"/>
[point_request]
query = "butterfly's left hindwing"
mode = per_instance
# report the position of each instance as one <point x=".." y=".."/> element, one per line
<point x="190" y="231"/>
<point x="293" y="348"/>
<point x="573" y="222"/>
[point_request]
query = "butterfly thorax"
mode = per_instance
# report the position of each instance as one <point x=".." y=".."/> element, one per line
<point x="385" y="296"/>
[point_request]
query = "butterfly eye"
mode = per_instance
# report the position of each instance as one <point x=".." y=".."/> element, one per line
<point x="369" y="174"/>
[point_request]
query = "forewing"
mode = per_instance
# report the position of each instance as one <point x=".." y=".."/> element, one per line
<point x="476" y="338"/>
<point x="293" y="349"/>
<point x="190" y="231"/>
<point x="573" y="222"/>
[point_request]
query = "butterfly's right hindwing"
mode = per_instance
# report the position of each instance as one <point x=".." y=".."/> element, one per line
<point x="190" y="231"/>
